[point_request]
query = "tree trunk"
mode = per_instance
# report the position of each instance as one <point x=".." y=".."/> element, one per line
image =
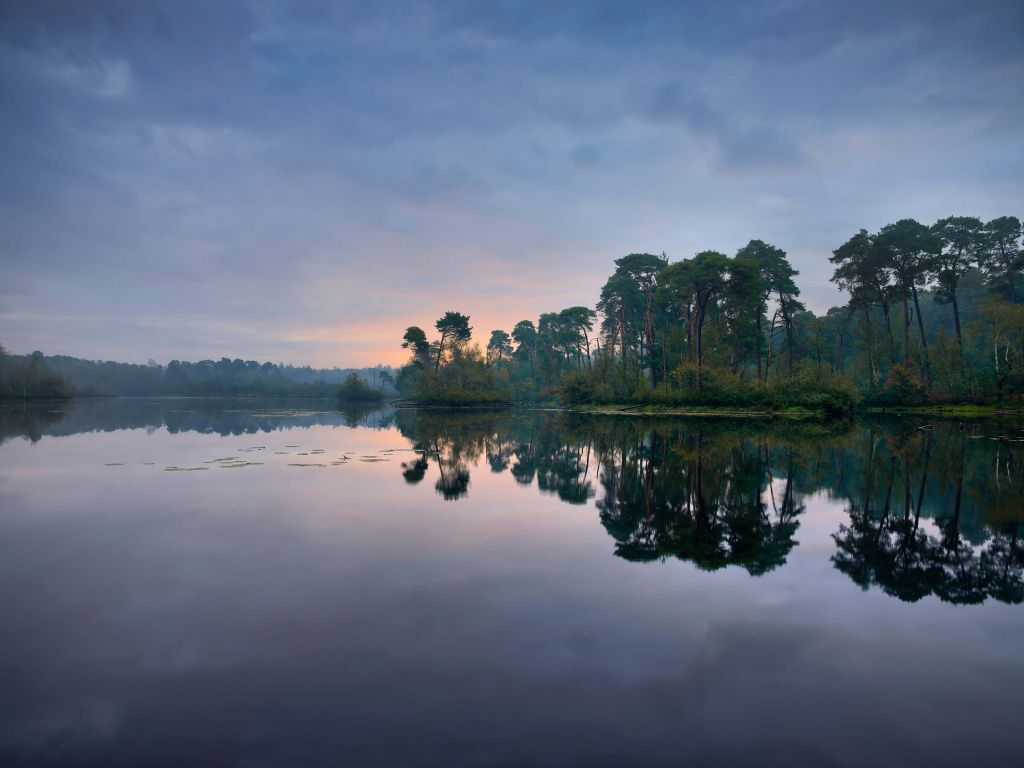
<point x="906" y="330"/>
<point x="622" y="331"/>
<point x="870" y="345"/>
<point x="789" y="342"/>
<point x="649" y="340"/>
<point x="888" y="329"/>
<point x="440" y="352"/>
<point x="700" y="347"/>
<point x="956" y="323"/>
<point x="924" y="340"/>
<point x="760" y="340"/>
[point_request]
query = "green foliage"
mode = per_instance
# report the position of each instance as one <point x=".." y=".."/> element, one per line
<point x="900" y="389"/>
<point x="931" y="317"/>
<point x="26" y="377"/>
<point x="355" y="390"/>
<point x="499" y="348"/>
<point x="461" y="375"/>
<point x="64" y="376"/>
<point x="455" y="331"/>
<point x="719" y="388"/>
<point x="415" y="340"/>
<point x="577" y="389"/>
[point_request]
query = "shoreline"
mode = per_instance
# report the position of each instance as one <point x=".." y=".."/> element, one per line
<point x="943" y="410"/>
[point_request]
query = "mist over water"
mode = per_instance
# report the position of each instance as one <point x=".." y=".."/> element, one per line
<point x="504" y="588"/>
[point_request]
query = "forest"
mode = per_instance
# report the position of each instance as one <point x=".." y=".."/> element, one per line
<point x="933" y="316"/>
<point x="60" y="376"/>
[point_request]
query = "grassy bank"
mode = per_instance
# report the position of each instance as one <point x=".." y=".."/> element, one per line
<point x="958" y="410"/>
<point x="699" y="410"/>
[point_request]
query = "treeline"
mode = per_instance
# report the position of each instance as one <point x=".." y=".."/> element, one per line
<point x="41" y="376"/>
<point x="933" y="316"/>
<point x="30" y="376"/>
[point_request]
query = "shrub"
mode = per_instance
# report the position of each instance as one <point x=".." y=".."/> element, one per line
<point x="355" y="390"/>
<point x="901" y="388"/>
<point x="576" y="389"/>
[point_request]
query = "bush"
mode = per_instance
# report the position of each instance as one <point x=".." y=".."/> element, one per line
<point x="355" y="390"/>
<point x="902" y="387"/>
<point x="720" y="388"/>
<point x="576" y="389"/>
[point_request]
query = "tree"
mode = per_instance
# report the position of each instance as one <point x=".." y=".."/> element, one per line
<point x="962" y="243"/>
<point x="525" y="337"/>
<point x="1002" y="238"/>
<point x="643" y="269"/>
<point x="1006" y="322"/>
<point x="774" y="276"/>
<point x="746" y="298"/>
<point x="859" y="273"/>
<point x="577" y="323"/>
<point x="698" y="280"/>
<point x="416" y="341"/>
<point x="549" y="345"/>
<point x="620" y="298"/>
<point x="499" y="347"/>
<point x="355" y="390"/>
<point x="911" y="250"/>
<point x="455" y="330"/>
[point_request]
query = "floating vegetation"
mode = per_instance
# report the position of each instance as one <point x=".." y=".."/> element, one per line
<point x="280" y="453"/>
<point x="291" y="446"/>
<point x="239" y="464"/>
<point x="114" y="464"/>
<point x="185" y="469"/>
<point x="316" y="450"/>
<point x="148" y="463"/>
<point x="226" y="458"/>
<point x="308" y="465"/>
<point x="302" y="453"/>
<point x="338" y="463"/>
<point x="372" y="459"/>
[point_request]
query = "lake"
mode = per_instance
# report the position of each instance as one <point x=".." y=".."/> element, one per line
<point x="242" y="583"/>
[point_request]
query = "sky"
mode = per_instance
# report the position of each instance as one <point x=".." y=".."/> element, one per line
<point x="299" y="181"/>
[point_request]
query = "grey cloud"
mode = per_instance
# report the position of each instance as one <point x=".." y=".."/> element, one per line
<point x="585" y="156"/>
<point x="238" y="162"/>
<point x="737" y="146"/>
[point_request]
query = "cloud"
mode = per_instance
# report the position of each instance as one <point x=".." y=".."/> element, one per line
<point x="282" y="167"/>
<point x="737" y="147"/>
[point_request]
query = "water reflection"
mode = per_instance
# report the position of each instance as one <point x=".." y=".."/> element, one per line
<point x="33" y="421"/>
<point x="475" y="588"/>
<point x="934" y="508"/>
<point x="969" y="486"/>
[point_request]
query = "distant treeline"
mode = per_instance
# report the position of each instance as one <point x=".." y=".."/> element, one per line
<point x="934" y="315"/>
<point x="41" y="376"/>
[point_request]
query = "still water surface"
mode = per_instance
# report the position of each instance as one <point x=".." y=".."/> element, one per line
<point x="267" y="584"/>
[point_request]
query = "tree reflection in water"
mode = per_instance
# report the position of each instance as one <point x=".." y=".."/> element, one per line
<point x="937" y="512"/>
<point x="933" y="509"/>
